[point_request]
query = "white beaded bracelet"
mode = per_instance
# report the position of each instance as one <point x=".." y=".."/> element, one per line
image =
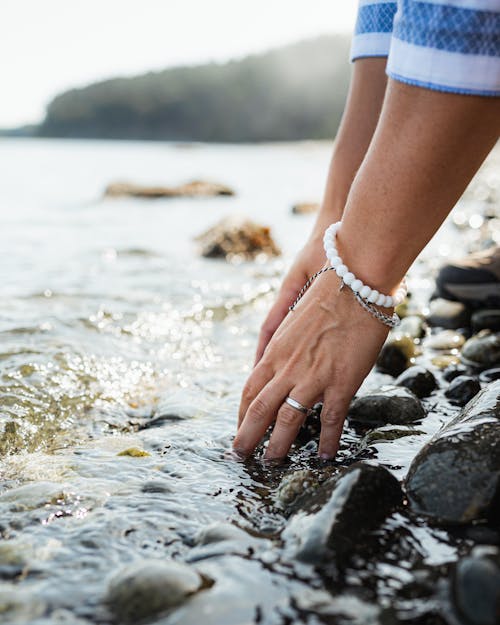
<point x="372" y="296"/>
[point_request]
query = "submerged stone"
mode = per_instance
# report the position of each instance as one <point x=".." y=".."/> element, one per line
<point x="396" y="354"/>
<point x="134" y="452"/>
<point x="150" y="587"/>
<point x="419" y="380"/>
<point x="455" y="478"/>
<point x="482" y="350"/>
<point x="462" y="389"/>
<point x="476" y="587"/>
<point x="490" y="375"/>
<point x="444" y="313"/>
<point x="293" y="486"/>
<point x="236" y="237"/>
<point x="453" y="371"/>
<point x="488" y="319"/>
<point x="389" y="404"/>
<point x="342" y="511"/>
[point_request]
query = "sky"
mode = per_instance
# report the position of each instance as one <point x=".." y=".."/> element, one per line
<point x="48" y="46"/>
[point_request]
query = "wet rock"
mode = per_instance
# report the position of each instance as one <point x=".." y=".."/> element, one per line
<point x="235" y="237"/>
<point x="293" y="486"/>
<point x="444" y="361"/>
<point x="453" y="371"/>
<point x="486" y="320"/>
<point x="220" y="532"/>
<point x="195" y="188"/>
<point x="455" y="478"/>
<point x="490" y="375"/>
<point x="413" y="326"/>
<point x="445" y="340"/>
<point x="476" y="588"/>
<point x="396" y="354"/>
<point x="305" y="208"/>
<point x="150" y="587"/>
<point x="134" y="452"/>
<point x="389" y="404"/>
<point x="341" y="512"/>
<point x="462" y="389"/>
<point x="444" y="313"/>
<point x="386" y="434"/>
<point x="482" y="350"/>
<point x="157" y="486"/>
<point x="419" y="380"/>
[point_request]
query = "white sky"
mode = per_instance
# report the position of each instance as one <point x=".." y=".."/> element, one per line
<point x="47" y="46"/>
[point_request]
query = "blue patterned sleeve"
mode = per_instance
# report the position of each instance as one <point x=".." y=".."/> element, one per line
<point x="373" y="31"/>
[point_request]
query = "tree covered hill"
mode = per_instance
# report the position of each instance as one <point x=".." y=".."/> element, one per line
<point x="295" y="92"/>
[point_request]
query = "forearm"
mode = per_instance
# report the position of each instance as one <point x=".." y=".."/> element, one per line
<point x="361" y="114"/>
<point x="427" y="147"/>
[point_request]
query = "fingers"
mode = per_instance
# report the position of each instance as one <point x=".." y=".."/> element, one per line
<point x="260" y="376"/>
<point x="335" y="406"/>
<point x="288" y="423"/>
<point x="274" y="318"/>
<point x="259" y="416"/>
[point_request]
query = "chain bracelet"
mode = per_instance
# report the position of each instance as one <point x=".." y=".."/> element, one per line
<point x="391" y="321"/>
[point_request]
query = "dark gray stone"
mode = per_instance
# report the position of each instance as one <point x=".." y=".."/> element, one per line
<point x="396" y="354"/>
<point x="490" y="375"/>
<point x="444" y="313"/>
<point x="476" y="589"/>
<point x="419" y="380"/>
<point x="455" y="478"/>
<point x="486" y="320"/>
<point x="482" y="350"/>
<point x="462" y="389"/>
<point x="453" y="371"/>
<point x="389" y="404"/>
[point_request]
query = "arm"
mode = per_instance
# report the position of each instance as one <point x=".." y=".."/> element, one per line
<point x="426" y="148"/>
<point x="358" y="124"/>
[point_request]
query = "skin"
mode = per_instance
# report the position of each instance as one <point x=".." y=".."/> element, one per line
<point x="426" y="147"/>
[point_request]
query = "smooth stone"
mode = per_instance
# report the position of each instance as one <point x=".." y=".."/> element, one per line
<point x="490" y="375"/>
<point x="462" y="389"/>
<point x="396" y="354"/>
<point x="476" y="589"/>
<point x="419" y="380"/>
<point x="195" y="188"/>
<point x="233" y="237"/>
<point x="389" y="404"/>
<point x="453" y="371"/>
<point x="488" y="319"/>
<point x="341" y="512"/>
<point x="455" y="478"/>
<point x="412" y="326"/>
<point x="444" y="313"/>
<point x="443" y="361"/>
<point x="445" y="340"/>
<point x="156" y="486"/>
<point x="305" y="208"/>
<point x="150" y="587"/>
<point x="482" y="350"/>
<point x="386" y="434"/>
<point x="220" y="532"/>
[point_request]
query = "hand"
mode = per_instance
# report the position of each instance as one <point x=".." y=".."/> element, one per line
<point x="323" y="350"/>
<point x="310" y="259"/>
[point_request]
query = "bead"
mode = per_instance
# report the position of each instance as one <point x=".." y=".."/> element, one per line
<point x="348" y="278"/>
<point x="335" y="262"/>
<point x="357" y="285"/>
<point x="341" y="271"/>
<point x="380" y="300"/>
<point x="388" y="301"/>
<point x="330" y="250"/>
<point x="365" y="292"/>
<point x="374" y="296"/>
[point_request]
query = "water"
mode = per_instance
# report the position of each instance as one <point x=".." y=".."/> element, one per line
<point x="115" y="334"/>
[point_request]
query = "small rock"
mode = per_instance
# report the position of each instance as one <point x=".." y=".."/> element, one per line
<point x="490" y="375"/>
<point x="342" y="511"/>
<point x="444" y="313"/>
<point x="453" y="371"/>
<point x="455" y="478"/>
<point x="390" y="404"/>
<point x="305" y="208"/>
<point x="444" y="361"/>
<point x="462" y="389"/>
<point x="419" y="380"/>
<point x="220" y="532"/>
<point x="293" y="486"/>
<point x="482" y="350"/>
<point x="134" y="452"/>
<point x="156" y="486"/>
<point x="387" y="433"/>
<point x="195" y="188"/>
<point x="413" y="326"/>
<point x="235" y="237"/>
<point x="148" y="588"/>
<point x="488" y="319"/>
<point x="445" y="340"/>
<point x="476" y="589"/>
<point x="396" y="354"/>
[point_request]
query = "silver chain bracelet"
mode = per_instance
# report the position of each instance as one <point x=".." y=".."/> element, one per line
<point x="391" y="321"/>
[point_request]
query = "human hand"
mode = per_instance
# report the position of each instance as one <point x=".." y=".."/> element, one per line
<point x="323" y="350"/>
<point x="309" y="260"/>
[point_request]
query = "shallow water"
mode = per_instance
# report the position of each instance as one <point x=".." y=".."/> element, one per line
<point x="114" y="334"/>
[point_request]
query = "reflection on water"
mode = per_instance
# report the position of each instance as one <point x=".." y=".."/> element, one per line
<point x="114" y="335"/>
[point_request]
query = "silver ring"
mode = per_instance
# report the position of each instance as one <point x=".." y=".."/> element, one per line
<point x="297" y="405"/>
